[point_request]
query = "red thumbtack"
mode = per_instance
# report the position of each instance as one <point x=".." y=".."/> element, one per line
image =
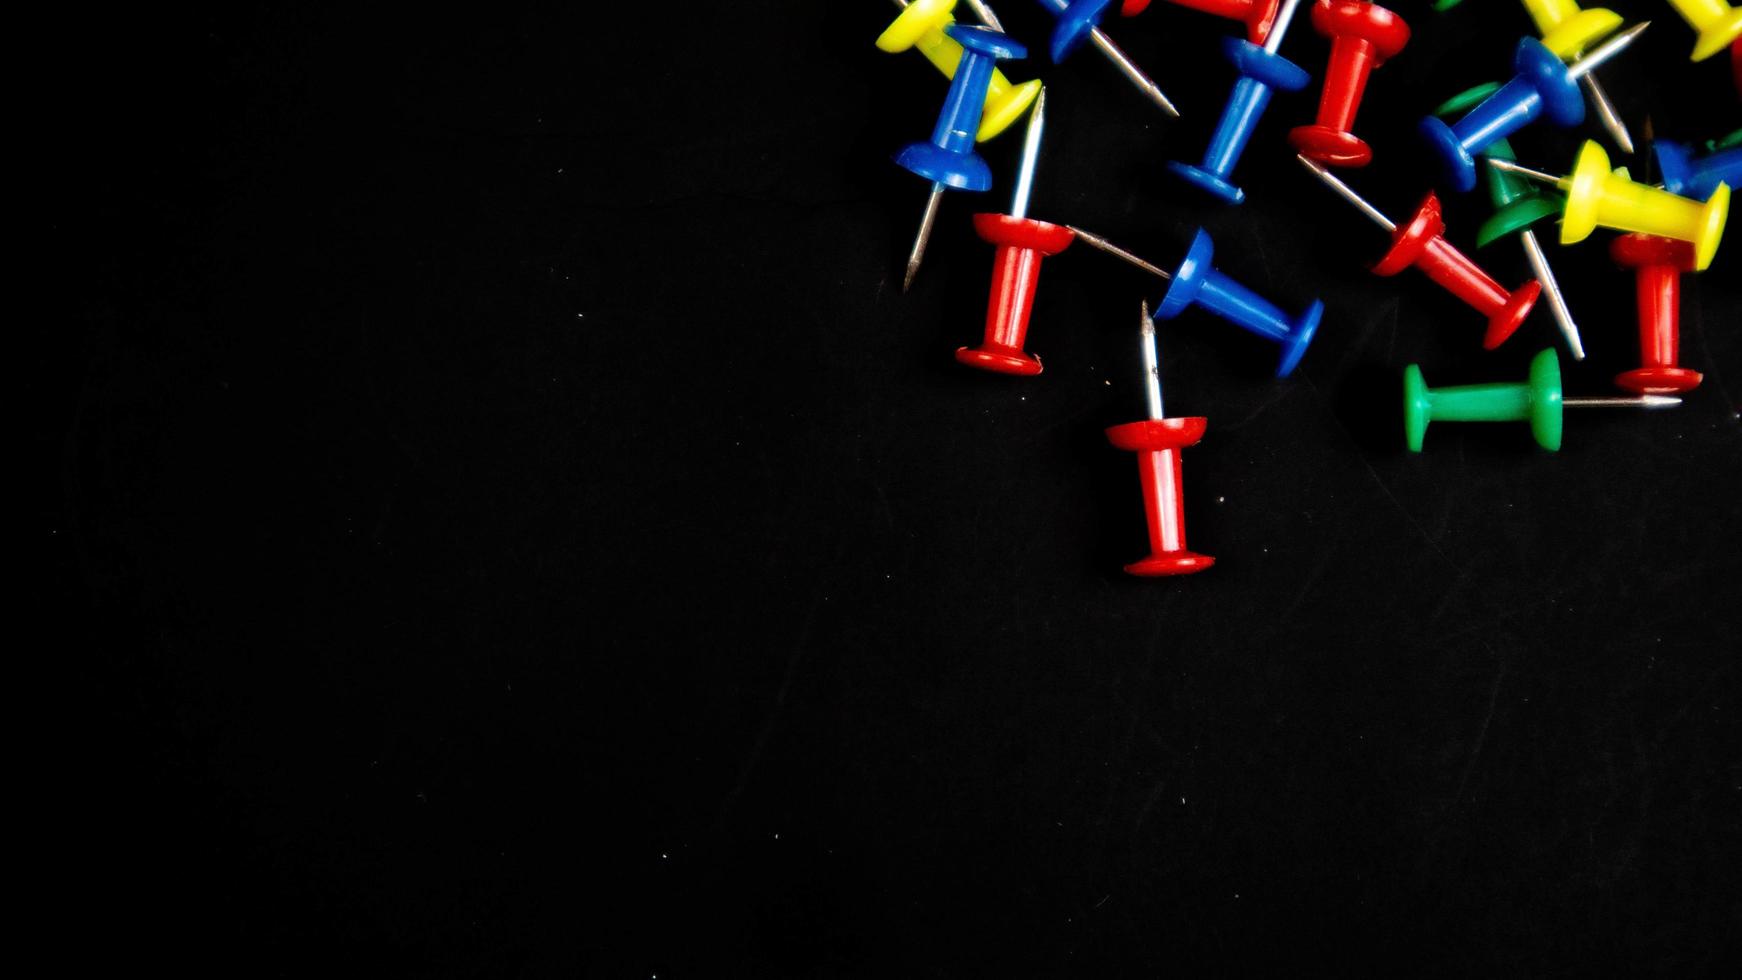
<point x="1157" y="442"/>
<point x="1658" y="264"/>
<point x="1363" y="37"/>
<point x="1022" y="243"/>
<point x="1420" y="242"/>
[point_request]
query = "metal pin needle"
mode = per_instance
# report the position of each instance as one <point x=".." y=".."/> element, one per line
<point x="1279" y="27"/>
<point x="1030" y="156"/>
<point x="1623" y="401"/>
<point x="1606" y="113"/>
<point x="1096" y="241"/>
<point x="1603" y="52"/>
<point x="1348" y="194"/>
<point x="920" y="241"/>
<point x="986" y="15"/>
<point x="1557" y="303"/>
<point x="980" y="9"/>
<point x="1517" y="168"/>
<point x="1151" y="366"/>
<point x="1131" y="71"/>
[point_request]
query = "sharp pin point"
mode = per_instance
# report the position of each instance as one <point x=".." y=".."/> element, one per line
<point x="1557" y="304"/>
<point x="1131" y="71"/>
<point x="1606" y="113"/>
<point x="922" y="239"/>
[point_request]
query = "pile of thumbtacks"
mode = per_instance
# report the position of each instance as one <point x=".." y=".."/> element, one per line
<point x="1670" y="230"/>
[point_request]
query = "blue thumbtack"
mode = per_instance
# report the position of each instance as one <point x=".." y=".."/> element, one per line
<point x="1542" y="86"/>
<point x="1261" y="70"/>
<point x="949" y="159"/>
<point x="1698" y="179"/>
<point x="1197" y="282"/>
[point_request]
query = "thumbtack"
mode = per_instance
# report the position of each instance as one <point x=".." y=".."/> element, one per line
<point x="1197" y="282"/>
<point x="1698" y="178"/>
<point x="1596" y="196"/>
<point x="1543" y="86"/>
<point x="924" y="24"/>
<point x="1157" y="441"/>
<point x="949" y="160"/>
<point x="1363" y="37"/>
<point x="1021" y="245"/>
<point x="1537" y="400"/>
<point x="1657" y="265"/>
<point x="1717" y="23"/>
<point x="1080" y="20"/>
<point x="1421" y="243"/>
<point x="1568" y="31"/>
<point x="1257" y="15"/>
<point x="1261" y="70"/>
<point x="1519" y="206"/>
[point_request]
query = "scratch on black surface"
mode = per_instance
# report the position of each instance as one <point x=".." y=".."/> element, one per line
<point x="1454" y="566"/>
<point x="792" y="663"/>
<point x="1134" y="718"/>
<point x="1475" y="754"/>
<point x="1282" y="392"/>
<point x="1307" y="582"/>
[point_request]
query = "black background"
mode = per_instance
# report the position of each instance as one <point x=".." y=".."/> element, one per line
<point x="504" y="519"/>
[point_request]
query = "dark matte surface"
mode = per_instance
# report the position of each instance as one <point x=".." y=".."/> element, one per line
<point x="515" y="526"/>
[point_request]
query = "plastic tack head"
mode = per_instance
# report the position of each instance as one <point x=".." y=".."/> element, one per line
<point x="1657" y="265"/>
<point x="923" y="25"/>
<point x="949" y="159"/>
<point x="1257" y="15"/>
<point x="1598" y="196"/>
<point x="1198" y="282"/>
<point x="1519" y="204"/>
<point x="1260" y="73"/>
<point x="1021" y="245"/>
<point x="1157" y="443"/>
<point x="1543" y="86"/>
<point x="1420" y="242"/>
<point x="1693" y="177"/>
<point x="1568" y="31"/>
<point x="1537" y="400"/>
<point x="1131" y="8"/>
<point x="1717" y="23"/>
<point x="1363" y="37"/>
<point x="1518" y="215"/>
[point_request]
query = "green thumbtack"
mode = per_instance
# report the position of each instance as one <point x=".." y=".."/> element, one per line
<point x="1444" y="5"/>
<point x="1537" y="400"/>
<point x="1519" y="204"/>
